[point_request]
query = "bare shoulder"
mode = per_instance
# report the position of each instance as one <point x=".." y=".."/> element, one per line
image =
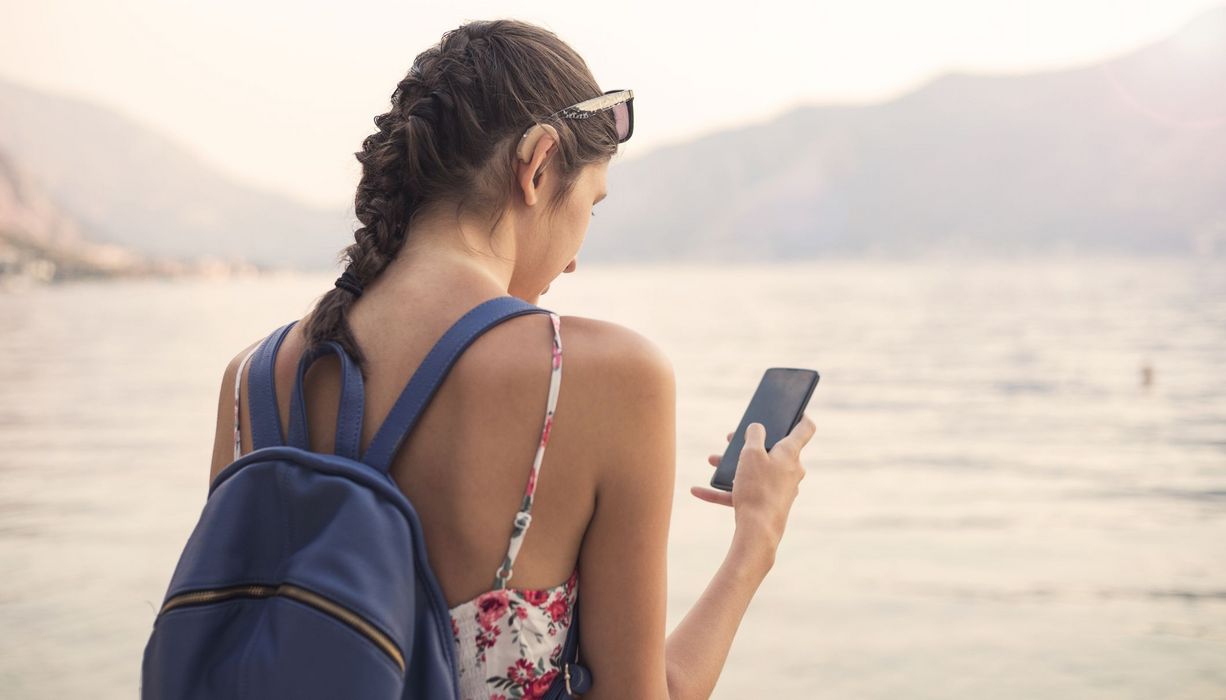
<point x="617" y="355"/>
<point x="598" y="356"/>
<point x="627" y="385"/>
<point x="612" y="375"/>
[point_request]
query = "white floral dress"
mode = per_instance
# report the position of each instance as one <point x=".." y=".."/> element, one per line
<point x="508" y="640"/>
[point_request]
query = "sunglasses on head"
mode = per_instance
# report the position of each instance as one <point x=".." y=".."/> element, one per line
<point x="620" y="101"/>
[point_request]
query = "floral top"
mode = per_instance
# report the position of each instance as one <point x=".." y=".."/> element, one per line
<point x="508" y="640"/>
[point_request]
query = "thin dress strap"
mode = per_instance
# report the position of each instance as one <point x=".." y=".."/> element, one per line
<point x="238" y="382"/>
<point x="524" y="517"/>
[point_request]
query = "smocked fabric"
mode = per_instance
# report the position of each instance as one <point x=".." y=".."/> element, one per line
<point x="508" y="640"/>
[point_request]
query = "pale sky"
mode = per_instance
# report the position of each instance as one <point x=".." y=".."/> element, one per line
<point x="279" y="95"/>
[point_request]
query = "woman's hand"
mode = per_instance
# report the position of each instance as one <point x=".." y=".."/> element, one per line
<point x="766" y="483"/>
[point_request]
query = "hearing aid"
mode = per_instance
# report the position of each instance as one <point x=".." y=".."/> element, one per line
<point x="527" y="142"/>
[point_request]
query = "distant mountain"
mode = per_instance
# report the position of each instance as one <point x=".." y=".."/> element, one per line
<point x="36" y="239"/>
<point x="1124" y="156"/>
<point x="126" y="184"/>
<point x="40" y="243"/>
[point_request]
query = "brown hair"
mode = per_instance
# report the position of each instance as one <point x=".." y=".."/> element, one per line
<point x="450" y="138"/>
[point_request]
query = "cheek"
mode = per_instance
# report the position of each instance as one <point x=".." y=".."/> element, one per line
<point x="578" y="222"/>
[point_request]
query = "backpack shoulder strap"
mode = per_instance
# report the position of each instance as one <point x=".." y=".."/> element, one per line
<point x="426" y="380"/>
<point x="348" y="413"/>
<point x="262" y="391"/>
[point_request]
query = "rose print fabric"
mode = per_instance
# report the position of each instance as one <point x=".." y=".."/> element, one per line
<point x="508" y="640"/>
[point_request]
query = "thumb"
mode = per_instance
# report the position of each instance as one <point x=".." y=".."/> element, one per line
<point x="755" y="436"/>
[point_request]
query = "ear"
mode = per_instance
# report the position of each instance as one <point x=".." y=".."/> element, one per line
<point x="534" y="150"/>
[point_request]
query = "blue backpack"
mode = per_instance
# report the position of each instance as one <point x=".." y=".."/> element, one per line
<point x="306" y="576"/>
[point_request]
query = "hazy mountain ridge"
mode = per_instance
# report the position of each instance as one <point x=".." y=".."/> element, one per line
<point x="127" y="184"/>
<point x="1056" y="161"/>
<point x="1124" y="156"/>
<point x="41" y="243"/>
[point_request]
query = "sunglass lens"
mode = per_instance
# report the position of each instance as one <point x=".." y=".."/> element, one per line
<point x="623" y="115"/>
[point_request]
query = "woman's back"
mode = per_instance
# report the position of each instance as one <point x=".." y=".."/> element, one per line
<point x="469" y="478"/>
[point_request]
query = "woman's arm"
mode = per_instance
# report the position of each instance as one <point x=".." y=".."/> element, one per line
<point x="766" y="484"/>
<point x="699" y="645"/>
<point x="623" y="558"/>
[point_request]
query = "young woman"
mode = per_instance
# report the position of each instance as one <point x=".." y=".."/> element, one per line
<point x="478" y="184"/>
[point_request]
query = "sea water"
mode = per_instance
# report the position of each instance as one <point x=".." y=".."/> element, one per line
<point x="1017" y="487"/>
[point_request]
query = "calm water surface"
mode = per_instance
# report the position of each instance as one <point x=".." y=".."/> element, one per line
<point x="996" y="506"/>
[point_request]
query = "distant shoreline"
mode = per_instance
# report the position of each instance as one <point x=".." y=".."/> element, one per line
<point x="23" y="271"/>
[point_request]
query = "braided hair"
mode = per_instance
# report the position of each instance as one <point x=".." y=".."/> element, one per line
<point x="450" y="138"/>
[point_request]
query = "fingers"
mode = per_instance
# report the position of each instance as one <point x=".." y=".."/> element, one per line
<point x="723" y="498"/>
<point x="755" y="437"/>
<point x="798" y="438"/>
<point x="805" y="429"/>
<point x="801" y="434"/>
<point x="714" y="459"/>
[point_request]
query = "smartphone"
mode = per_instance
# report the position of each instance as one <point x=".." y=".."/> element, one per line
<point x="778" y="404"/>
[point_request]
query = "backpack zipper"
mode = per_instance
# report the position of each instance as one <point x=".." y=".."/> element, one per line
<point x="357" y="622"/>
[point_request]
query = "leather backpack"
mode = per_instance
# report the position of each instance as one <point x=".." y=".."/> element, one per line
<point x="306" y="575"/>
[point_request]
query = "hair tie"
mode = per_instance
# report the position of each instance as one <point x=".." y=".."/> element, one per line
<point x="349" y="283"/>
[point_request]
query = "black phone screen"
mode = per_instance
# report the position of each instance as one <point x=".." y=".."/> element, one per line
<point x="778" y="405"/>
